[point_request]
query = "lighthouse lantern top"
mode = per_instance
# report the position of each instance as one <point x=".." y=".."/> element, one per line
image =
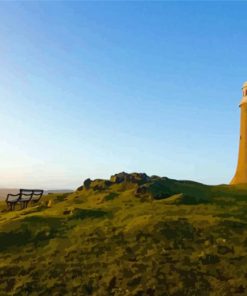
<point x="244" y="98"/>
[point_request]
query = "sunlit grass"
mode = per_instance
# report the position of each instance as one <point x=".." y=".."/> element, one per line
<point x="112" y="242"/>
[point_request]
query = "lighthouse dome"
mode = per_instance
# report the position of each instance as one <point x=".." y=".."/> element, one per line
<point x="244" y="98"/>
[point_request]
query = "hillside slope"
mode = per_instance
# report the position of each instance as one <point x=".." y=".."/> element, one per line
<point x="130" y="235"/>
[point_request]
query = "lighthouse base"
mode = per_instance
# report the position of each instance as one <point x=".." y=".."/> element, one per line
<point x="239" y="178"/>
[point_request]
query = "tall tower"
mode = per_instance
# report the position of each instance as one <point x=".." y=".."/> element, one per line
<point x="240" y="176"/>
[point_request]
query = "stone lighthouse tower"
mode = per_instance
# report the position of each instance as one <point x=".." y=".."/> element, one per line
<point x="240" y="176"/>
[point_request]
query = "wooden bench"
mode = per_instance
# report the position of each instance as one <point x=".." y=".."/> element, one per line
<point x="23" y="198"/>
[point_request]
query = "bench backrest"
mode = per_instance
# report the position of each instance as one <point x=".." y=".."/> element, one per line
<point x="37" y="194"/>
<point x="31" y="194"/>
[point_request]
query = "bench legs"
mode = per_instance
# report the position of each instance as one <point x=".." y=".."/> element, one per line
<point x="24" y="204"/>
<point x="11" y="206"/>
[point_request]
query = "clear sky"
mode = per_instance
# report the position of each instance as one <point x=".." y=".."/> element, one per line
<point x="89" y="89"/>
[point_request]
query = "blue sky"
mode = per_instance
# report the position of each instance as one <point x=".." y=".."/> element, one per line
<point x="88" y="89"/>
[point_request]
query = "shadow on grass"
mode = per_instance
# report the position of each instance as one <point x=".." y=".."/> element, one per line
<point x="111" y="196"/>
<point x="35" y="230"/>
<point x="80" y="214"/>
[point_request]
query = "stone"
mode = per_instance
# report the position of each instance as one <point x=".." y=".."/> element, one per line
<point x="87" y="183"/>
<point x="123" y="177"/>
<point x="49" y="204"/>
<point x="141" y="190"/>
<point x="100" y="184"/>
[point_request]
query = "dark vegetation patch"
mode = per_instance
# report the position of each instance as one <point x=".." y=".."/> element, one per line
<point x="111" y="196"/>
<point x="33" y="229"/>
<point x="62" y="196"/>
<point x="80" y="214"/>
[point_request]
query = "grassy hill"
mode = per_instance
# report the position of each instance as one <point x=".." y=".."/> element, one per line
<point x="130" y="235"/>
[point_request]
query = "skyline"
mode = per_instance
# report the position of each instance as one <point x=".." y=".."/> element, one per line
<point x="91" y="89"/>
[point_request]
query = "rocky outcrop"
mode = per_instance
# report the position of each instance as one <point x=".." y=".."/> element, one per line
<point x="143" y="189"/>
<point x="147" y="188"/>
<point x="123" y="177"/>
<point x="97" y="184"/>
<point x="101" y="184"/>
<point x="87" y="183"/>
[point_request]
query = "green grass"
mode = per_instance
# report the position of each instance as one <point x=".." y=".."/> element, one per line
<point x="176" y="238"/>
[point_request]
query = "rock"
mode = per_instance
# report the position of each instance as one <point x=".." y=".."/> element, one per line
<point x="100" y="184"/>
<point x="119" y="178"/>
<point x="79" y="188"/>
<point x="49" y="203"/>
<point x="87" y="183"/>
<point x="140" y="178"/>
<point x="97" y="184"/>
<point x="123" y="177"/>
<point x="67" y="212"/>
<point x="141" y="190"/>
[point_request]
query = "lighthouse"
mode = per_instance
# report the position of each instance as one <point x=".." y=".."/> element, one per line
<point x="240" y="176"/>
